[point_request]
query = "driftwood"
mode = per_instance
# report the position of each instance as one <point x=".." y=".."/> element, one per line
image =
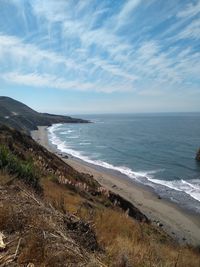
<point x="17" y="248"/>
<point x="2" y="244"/>
<point x="6" y="259"/>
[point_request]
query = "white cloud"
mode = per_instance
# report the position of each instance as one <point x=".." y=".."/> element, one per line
<point x="190" y="10"/>
<point x="191" y="31"/>
<point x="113" y="69"/>
<point x="79" y="26"/>
<point x="14" y="48"/>
<point x="94" y="56"/>
<point x="53" y="11"/>
<point x="45" y="81"/>
<point x="19" y="53"/>
<point x="56" y="82"/>
<point x="126" y="11"/>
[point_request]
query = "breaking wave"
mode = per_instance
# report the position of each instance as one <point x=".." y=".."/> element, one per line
<point x="191" y="187"/>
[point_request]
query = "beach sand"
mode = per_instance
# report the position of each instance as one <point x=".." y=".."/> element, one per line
<point x="178" y="223"/>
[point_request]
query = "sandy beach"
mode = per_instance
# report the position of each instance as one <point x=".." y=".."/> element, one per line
<point x="178" y="223"/>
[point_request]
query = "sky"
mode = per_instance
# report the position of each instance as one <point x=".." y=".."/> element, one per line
<point x="108" y="56"/>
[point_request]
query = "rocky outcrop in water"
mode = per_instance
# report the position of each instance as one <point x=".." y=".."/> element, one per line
<point x="198" y="155"/>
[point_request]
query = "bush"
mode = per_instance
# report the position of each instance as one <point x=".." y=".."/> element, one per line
<point x="4" y="155"/>
<point x="24" y="170"/>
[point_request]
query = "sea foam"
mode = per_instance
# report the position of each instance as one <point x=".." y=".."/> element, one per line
<point x="191" y="187"/>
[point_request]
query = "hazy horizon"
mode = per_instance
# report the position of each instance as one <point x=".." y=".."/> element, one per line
<point x="94" y="57"/>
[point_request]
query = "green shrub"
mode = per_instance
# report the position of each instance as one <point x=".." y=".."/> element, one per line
<point x="24" y="170"/>
<point x="4" y="155"/>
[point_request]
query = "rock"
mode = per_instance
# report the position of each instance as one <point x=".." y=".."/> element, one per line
<point x="159" y="197"/>
<point x="159" y="224"/>
<point x="84" y="232"/>
<point x="124" y="205"/>
<point x="198" y="155"/>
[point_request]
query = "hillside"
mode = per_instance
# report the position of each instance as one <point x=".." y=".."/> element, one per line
<point x="19" y="116"/>
<point x="52" y="215"/>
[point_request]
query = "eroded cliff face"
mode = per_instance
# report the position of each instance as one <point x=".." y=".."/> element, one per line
<point x="52" y="167"/>
<point x="42" y="201"/>
<point x="51" y="215"/>
<point x="198" y="155"/>
<point x="43" y="235"/>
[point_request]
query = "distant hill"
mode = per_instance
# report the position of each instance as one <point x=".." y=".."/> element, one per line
<point x="21" y="117"/>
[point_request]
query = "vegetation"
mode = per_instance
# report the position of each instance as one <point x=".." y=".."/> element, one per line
<point x="69" y="225"/>
<point x="126" y="242"/>
<point x="36" y="234"/>
<point x="24" y="170"/>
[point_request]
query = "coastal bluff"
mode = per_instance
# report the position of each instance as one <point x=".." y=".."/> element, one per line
<point x="54" y="215"/>
<point x="21" y="117"/>
<point x="66" y="218"/>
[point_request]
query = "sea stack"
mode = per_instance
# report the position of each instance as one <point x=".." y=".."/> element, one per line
<point x="198" y="155"/>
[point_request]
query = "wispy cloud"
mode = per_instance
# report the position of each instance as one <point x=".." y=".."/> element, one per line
<point x="13" y="48"/>
<point x="190" y="10"/>
<point x="45" y="81"/>
<point x="80" y="45"/>
<point x="52" y="81"/>
<point x="192" y="31"/>
<point x="126" y="11"/>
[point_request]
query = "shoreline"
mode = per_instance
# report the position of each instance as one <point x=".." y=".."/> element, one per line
<point x="178" y="223"/>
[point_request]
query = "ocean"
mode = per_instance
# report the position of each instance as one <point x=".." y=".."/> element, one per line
<point x="154" y="150"/>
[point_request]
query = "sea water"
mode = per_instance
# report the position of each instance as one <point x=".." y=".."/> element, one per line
<point x="156" y="150"/>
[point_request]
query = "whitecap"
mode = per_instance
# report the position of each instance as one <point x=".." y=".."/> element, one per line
<point x="84" y="143"/>
<point x="191" y="188"/>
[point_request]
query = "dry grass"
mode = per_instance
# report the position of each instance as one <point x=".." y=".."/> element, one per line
<point x="129" y="243"/>
<point x="60" y="197"/>
<point x="45" y="235"/>
<point x="126" y="242"/>
<point x="33" y="249"/>
<point x="11" y="220"/>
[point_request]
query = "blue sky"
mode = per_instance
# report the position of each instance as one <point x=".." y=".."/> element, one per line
<point x="91" y="56"/>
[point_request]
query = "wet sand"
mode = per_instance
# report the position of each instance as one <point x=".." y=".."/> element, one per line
<point x="178" y="223"/>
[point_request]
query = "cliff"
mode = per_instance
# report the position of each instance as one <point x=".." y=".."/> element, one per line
<point x="52" y="215"/>
<point x="19" y="116"/>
